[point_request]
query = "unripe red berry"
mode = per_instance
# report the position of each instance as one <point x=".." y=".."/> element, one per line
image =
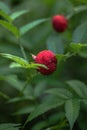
<point x="59" y="23"/>
<point x="47" y="58"/>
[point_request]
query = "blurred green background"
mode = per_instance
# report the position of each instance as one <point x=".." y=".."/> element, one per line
<point x="40" y="38"/>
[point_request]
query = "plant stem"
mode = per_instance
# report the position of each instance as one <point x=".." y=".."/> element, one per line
<point x="22" y="50"/>
<point x="24" y="87"/>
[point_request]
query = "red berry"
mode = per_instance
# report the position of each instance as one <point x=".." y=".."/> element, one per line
<point x="59" y="23"/>
<point x="47" y="58"/>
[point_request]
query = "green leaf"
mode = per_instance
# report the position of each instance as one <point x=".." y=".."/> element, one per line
<point x="78" y="87"/>
<point x="62" y="57"/>
<point x="17" y="14"/>
<point x="5" y="16"/>
<point x="72" y="108"/>
<point x="85" y="102"/>
<point x="56" y="117"/>
<point x="31" y="25"/>
<point x="48" y="105"/>
<point x="76" y="48"/>
<point x="27" y="66"/>
<point x="77" y="10"/>
<point x="80" y="8"/>
<point x="40" y="125"/>
<point x="9" y="126"/>
<point x="60" y="125"/>
<point x="14" y="82"/>
<point x="10" y="28"/>
<point x="80" y="33"/>
<point x="19" y="99"/>
<point x="25" y="110"/>
<point x="82" y="1"/>
<point x="62" y="93"/>
<point x="3" y="95"/>
<point x="83" y="51"/>
<point x="55" y="44"/>
<point x="35" y="65"/>
<point x="40" y="88"/>
<point x="20" y="62"/>
<point x="17" y="59"/>
<point x="4" y="7"/>
<point x="15" y="65"/>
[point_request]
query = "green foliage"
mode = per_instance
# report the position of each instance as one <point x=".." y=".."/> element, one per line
<point x="10" y="27"/>
<point x="4" y="7"/>
<point x="26" y="97"/>
<point x="79" y="49"/>
<point x="9" y="126"/>
<point x="72" y="111"/>
<point x="40" y="125"/>
<point x="25" y="110"/>
<point x="60" y="126"/>
<point x="5" y="16"/>
<point x="28" y="27"/>
<point x="41" y="109"/>
<point x="60" y="93"/>
<point x="55" y="44"/>
<point x="20" y="62"/>
<point x="17" y="14"/>
<point x="80" y="35"/>
<point x="78" y="87"/>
